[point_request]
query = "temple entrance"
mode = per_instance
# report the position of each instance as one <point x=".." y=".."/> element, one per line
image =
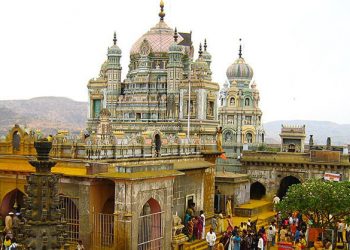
<point x="158" y="143"/>
<point x="13" y="201"/>
<point x="151" y="231"/>
<point x="286" y="182"/>
<point x="257" y="191"/>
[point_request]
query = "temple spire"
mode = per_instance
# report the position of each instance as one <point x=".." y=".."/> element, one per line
<point x="205" y="44"/>
<point x="175" y="35"/>
<point x="161" y="13"/>
<point x="240" y="48"/>
<point x="200" y="50"/>
<point x="115" y="38"/>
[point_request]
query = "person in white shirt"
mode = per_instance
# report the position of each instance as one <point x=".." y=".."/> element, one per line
<point x="275" y="201"/>
<point x="211" y="238"/>
<point x="261" y="242"/>
<point x="203" y="219"/>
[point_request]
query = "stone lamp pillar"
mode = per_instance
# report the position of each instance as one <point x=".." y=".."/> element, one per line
<point x="44" y="227"/>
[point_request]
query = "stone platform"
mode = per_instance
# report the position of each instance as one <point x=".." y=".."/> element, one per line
<point x="253" y="208"/>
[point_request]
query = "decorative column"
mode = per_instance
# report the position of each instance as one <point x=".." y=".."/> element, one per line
<point x="44" y="228"/>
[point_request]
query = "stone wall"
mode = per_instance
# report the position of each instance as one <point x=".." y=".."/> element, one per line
<point x="189" y="184"/>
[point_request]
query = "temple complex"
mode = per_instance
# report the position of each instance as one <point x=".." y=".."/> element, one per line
<point x="162" y="140"/>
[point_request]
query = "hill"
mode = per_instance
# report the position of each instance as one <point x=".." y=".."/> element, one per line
<point x="339" y="133"/>
<point x="48" y="114"/>
<point x="53" y="113"/>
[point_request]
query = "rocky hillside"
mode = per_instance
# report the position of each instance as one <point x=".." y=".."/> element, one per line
<point x="48" y="114"/>
<point x="52" y="113"/>
<point x="339" y="133"/>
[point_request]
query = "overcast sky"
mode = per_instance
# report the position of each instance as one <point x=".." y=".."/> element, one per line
<point x="299" y="50"/>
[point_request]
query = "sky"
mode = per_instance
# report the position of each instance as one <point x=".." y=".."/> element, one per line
<point x="299" y="50"/>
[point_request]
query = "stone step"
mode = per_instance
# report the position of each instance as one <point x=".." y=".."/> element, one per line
<point x="199" y="244"/>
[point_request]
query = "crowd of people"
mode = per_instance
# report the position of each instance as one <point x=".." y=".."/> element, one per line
<point x="290" y="231"/>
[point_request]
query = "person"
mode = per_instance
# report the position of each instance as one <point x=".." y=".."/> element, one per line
<point x="214" y="223"/>
<point x="195" y="228"/>
<point x="9" y="222"/>
<point x="229" y="223"/>
<point x="271" y="234"/>
<point x="186" y="220"/>
<point x="225" y="239"/>
<point x="80" y="245"/>
<point x="318" y="245"/>
<point x="16" y="223"/>
<point x="13" y="245"/>
<point x="202" y="216"/>
<point x="347" y="235"/>
<point x="191" y="209"/>
<point x="7" y="242"/>
<point x="261" y="242"/>
<point x="328" y="245"/>
<point x="221" y="224"/>
<point x="340" y="229"/>
<point x="283" y="233"/>
<point x="190" y="226"/>
<point x="303" y="241"/>
<point x="298" y="245"/>
<point x="211" y="238"/>
<point x="297" y="234"/>
<point x="236" y="242"/>
<point x="275" y="201"/>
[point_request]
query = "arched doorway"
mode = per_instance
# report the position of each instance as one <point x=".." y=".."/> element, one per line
<point x="257" y="191"/>
<point x="71" y="216"/>
<point x="107" y="222"/>
<point x="158" y="144"/>
<point x="16" y="141"/>
<point x="13" y="201"/>
<point x="286" y="182"/>
<point x="150" y="231"/>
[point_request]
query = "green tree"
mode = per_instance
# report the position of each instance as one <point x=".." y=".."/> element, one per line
<point x="323" y="202"/>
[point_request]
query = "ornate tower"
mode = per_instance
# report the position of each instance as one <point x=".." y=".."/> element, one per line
<point x="175" y="74"/>
<point x="239" y="114"/>
<point x="44" y="228"/>
<point x="113" y="71"/>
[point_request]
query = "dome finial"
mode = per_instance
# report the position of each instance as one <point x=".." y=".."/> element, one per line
<point x="205" y="44"/>
<point x="200" y="50"/>
<point x="175" y="35"/>
<point x="161" y="13"/>
<point x="115" y="38"/>
<point x="240" y="48"/>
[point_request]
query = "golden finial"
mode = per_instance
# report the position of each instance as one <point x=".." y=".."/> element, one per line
<point x="161" y="13"/>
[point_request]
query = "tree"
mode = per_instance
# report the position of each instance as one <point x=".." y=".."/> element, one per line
<point x="323" y="202"/>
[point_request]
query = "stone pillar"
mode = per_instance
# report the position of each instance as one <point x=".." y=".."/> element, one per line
<point x="43" y="228"/>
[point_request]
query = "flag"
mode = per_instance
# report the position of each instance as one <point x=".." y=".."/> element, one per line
<point x="223" y="156"/>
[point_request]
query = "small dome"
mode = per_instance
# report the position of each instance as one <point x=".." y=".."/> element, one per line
<point x="206" y="56"/>
<point x="114" y="50"/>
<point x="174" y="47"/>
<point x="239" y="70"/>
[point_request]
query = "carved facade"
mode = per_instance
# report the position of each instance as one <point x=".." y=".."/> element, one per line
<point x="239" y="112"/>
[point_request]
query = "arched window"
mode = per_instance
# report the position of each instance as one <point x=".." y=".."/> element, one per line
<point x="232" y="101"/>
<point x="262" y="137"/>
<point x="249" y="138"/>
<point x="247" y="102"/>
<point x="151" y="227"/>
